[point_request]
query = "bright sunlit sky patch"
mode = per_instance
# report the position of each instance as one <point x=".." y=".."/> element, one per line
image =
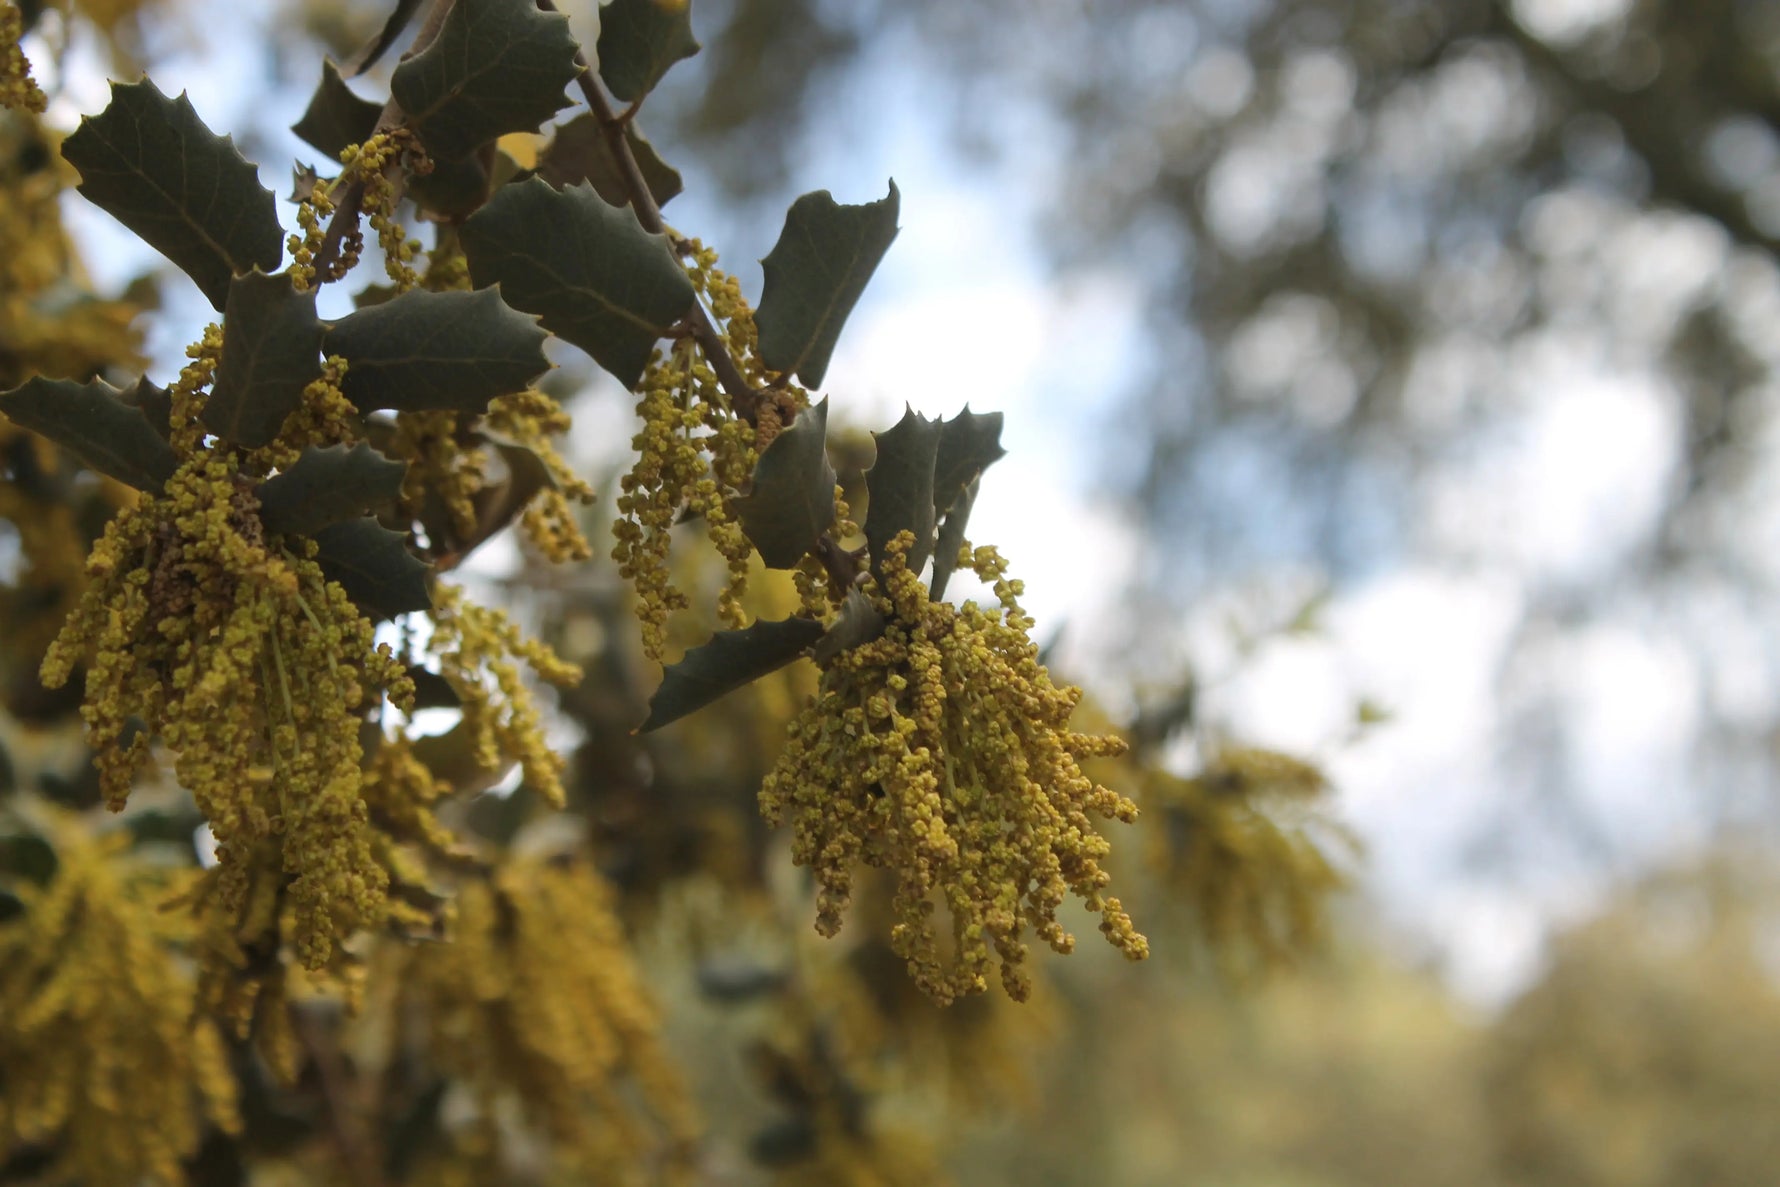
<point x="965" y="310"/>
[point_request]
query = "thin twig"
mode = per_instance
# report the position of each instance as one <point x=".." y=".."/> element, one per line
<point x="742" y="395"/>
<point x="842" y="566"/>
<point x="351" y="203"/>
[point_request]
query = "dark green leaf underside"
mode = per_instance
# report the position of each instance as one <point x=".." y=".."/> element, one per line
<point x="454" y="190"/>
<point x="640" y="40"/>
<point x="432" y="691"/>
<point x="374" y="567"/>
<point x="155" y="402"/>
<point x="580" y="152"/>
<point x="425" y="350"/>
<point x="271" y="352"/>
<point x="328" y="486"/>
<point x="336" y="117"/>
<point x="96" y="423"/>
<point x="149" y="162"/>
<point x="899" y="488"/>
<point x="792" y="500"/>
<point x="495" y="67"/>
<point x="730" y="660"/>
<point x="951" y="538"/>
<point x="379" y="45"/>
<point x="585" y="267"/>
<point x="969" y="443"/>
<point x="815" y="274"/>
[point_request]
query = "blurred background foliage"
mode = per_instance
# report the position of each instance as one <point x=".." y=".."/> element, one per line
<point x="1377" y="245"/>
<point x="1373" y="241"/>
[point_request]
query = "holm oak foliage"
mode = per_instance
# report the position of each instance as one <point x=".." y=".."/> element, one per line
<point x="244" y="577"/>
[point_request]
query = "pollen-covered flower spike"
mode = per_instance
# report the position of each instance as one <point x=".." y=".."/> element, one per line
<point x="942" y="750"/>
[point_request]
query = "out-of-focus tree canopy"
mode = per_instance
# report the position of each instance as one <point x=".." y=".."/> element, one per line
<point x="1476" y="287"/>
<point x="1378" y="243"/>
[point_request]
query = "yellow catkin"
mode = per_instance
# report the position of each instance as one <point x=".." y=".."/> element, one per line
<point x="107" y="1062"/>
<point x="942" y="751"/>
<point x="480" y="653"/>
<point x="313" y="213"/>
<point x="229" y="654"/>
<point x="323" y="417"/>
<point x="1250" y="852"/>
<point x="695" y="455"/>
<point x="535" y="999"/>
<point x="242" y="658"/>
<point x="529" y="420"/>
<point x="17" y="88"/>
<point x="367" y="165"/>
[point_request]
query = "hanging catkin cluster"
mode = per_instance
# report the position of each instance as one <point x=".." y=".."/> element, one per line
<point x="536" y="997"/>
<point x="1248" y="847"/>
<point x="694" y="454"/>
<point x="105" y="1059"/>
<point x="255" y="670"/>
<point x="17" y="88"/>
<point x="942" y="751"/>
<point x="260" y="674"/>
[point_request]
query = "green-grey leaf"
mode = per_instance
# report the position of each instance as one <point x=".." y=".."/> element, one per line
<point x="858" y="623"/>
<point x="426" y="350"/>
<point x="585" y="267"/>
<point x="149" y="162"/>
<point x="497" y="506"/>
<point x="580" y="152"/>
<point x="271" y="351"/>
<point x="432" y="691"/>
<point x="28" y="856"/>
<point x="155" y="402"/>
<point x="376" y="293"/>
<point x="951" y="538"/>
<point x="899" y="488"/>
<point x="97" y="424"/>
<point x="454" y="190"/>
<point x="969" y="443"/>
<point x="640" y="40"/>
<point x="374" y="566"/>
<point x="326" y="486"/>
<point x="379" y="45"/>
<point x="791" y="502"/>
<point x="497" y="66"/>
<point x="336" y="118"/>
<point x="814" y="276"/>
<point x="730" y="660"/>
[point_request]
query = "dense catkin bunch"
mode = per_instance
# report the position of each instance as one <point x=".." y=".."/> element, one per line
<point x="535" y="999"/>
<point x="17" y="88"/>
<point x="530" y="419"/>
<point x="1249" y="850"/>
<point x="370" y="164"/>
<point x="695" y="454"/>
<point x="942" y="751"/>
<point x="255" y="670"/>
<point x="105" y="1061"/>
<point x="479" y="653"/>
